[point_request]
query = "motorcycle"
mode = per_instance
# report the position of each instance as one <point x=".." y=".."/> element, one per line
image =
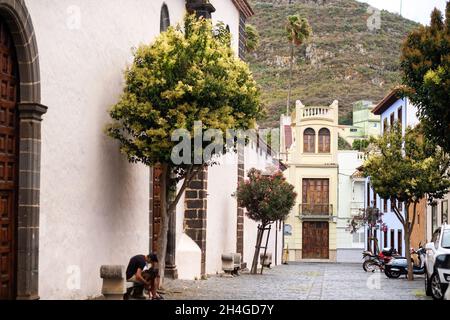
<point x="399" y="266"/>
<point x="372" y="262"/>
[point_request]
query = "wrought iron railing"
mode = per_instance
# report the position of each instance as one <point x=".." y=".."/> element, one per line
<point x="314" y="209"/>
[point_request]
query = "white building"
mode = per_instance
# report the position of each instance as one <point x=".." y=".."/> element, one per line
<point x="393" y="109"/>
<point x="351" y="201"/>
<point x="71" y="201"/>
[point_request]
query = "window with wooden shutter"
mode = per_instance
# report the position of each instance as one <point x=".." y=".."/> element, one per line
<point x="324" y="141"/>
<point x="309" y="141"/>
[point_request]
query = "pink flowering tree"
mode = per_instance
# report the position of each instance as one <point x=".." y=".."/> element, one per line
<point x="267" y="198"/>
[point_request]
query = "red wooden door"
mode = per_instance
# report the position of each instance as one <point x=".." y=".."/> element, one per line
<point x="316" y="240"/>
<point x="8" y="162"/>
<point x="156" y="223"/>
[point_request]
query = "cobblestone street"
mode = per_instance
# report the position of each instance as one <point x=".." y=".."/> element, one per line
<point x="305" y="281"/>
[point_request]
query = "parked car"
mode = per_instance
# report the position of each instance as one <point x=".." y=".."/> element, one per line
<point x="437" y="263"/>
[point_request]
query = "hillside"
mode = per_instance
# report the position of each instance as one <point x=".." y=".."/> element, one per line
<point x="344" y="60"/>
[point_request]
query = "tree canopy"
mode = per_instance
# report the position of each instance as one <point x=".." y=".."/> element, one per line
<point x="267" y="198"/>
<point x="186" y="75"/>
<point x="189" y="75"/>
<point x="298" y="29"/>
<point x="407" y="168"/>
<point x="425" y="64"/>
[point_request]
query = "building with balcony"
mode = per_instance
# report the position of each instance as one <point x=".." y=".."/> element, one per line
<point x="309" y="147"/>
<point x="351" y="202"/>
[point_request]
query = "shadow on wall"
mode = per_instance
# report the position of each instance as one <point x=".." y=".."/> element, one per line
<point x="125" y="192"/>
<point x="122" y="189"/>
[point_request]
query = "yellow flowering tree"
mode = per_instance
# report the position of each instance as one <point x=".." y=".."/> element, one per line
<point x="188" y="74"/>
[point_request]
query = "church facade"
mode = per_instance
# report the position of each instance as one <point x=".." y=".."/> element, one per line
<point x="70" y="202"/>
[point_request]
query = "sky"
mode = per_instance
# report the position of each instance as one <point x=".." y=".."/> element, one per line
<point x="416" y="10"/>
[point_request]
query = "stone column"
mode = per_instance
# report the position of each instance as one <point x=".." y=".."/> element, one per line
<point x="196" y="212"/>
<point x="30" y="115"/>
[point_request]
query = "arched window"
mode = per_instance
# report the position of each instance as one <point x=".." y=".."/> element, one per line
<point x="309" y="141"/>
<point x="165" y="18"/>
<point x="324" y="141"/>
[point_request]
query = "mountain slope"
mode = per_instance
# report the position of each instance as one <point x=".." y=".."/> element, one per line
<point x="344" y="60"/>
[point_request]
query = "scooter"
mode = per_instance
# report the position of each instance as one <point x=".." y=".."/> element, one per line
<point x="372" y="262"/>
<point x="399" y="266"/>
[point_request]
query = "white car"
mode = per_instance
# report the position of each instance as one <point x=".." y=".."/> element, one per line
<point x="437" y="263"/>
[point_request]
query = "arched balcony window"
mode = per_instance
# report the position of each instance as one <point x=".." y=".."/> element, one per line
<point x="309" y="141"/>
<point x="324" y="141"/>
<point x="165" y="18"/>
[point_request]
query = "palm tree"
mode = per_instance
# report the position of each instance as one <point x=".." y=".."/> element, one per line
<point x="298" y="32"/>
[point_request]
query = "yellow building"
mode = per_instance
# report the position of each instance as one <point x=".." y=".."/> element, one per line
<point x="309" y="146"/>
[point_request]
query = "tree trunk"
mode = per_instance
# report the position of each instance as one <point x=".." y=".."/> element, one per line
<point x="162" y="237"/>
<point x="259" y="239"/>
<point x="408" y="253"/>
<point x="291" y="67"/>
<point x="169" y="203"/>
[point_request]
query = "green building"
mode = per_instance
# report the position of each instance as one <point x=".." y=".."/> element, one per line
<point x="365" y="123"/>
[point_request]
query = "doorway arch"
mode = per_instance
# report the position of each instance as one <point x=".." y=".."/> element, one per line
<point x="25" y="240"/>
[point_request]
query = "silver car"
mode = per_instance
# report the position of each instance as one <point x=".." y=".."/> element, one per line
<point x="437" y="263"/>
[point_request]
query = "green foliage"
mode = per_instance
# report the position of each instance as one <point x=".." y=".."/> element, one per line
<point x="298" y="30"/>
<point x="182" y="77"/>
<point x="407" y="168"/>
<point x="360" y="145"/>
<point x="266" y="198"/>
<point x="252" y="38"/>
<point x="426" y="74"/>
<point x="343" y="144"/>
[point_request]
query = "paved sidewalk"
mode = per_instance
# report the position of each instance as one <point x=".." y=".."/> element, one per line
<point x="301" y="281"/>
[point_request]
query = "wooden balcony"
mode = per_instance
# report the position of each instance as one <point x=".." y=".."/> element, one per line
<point x="313" y="210"/>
